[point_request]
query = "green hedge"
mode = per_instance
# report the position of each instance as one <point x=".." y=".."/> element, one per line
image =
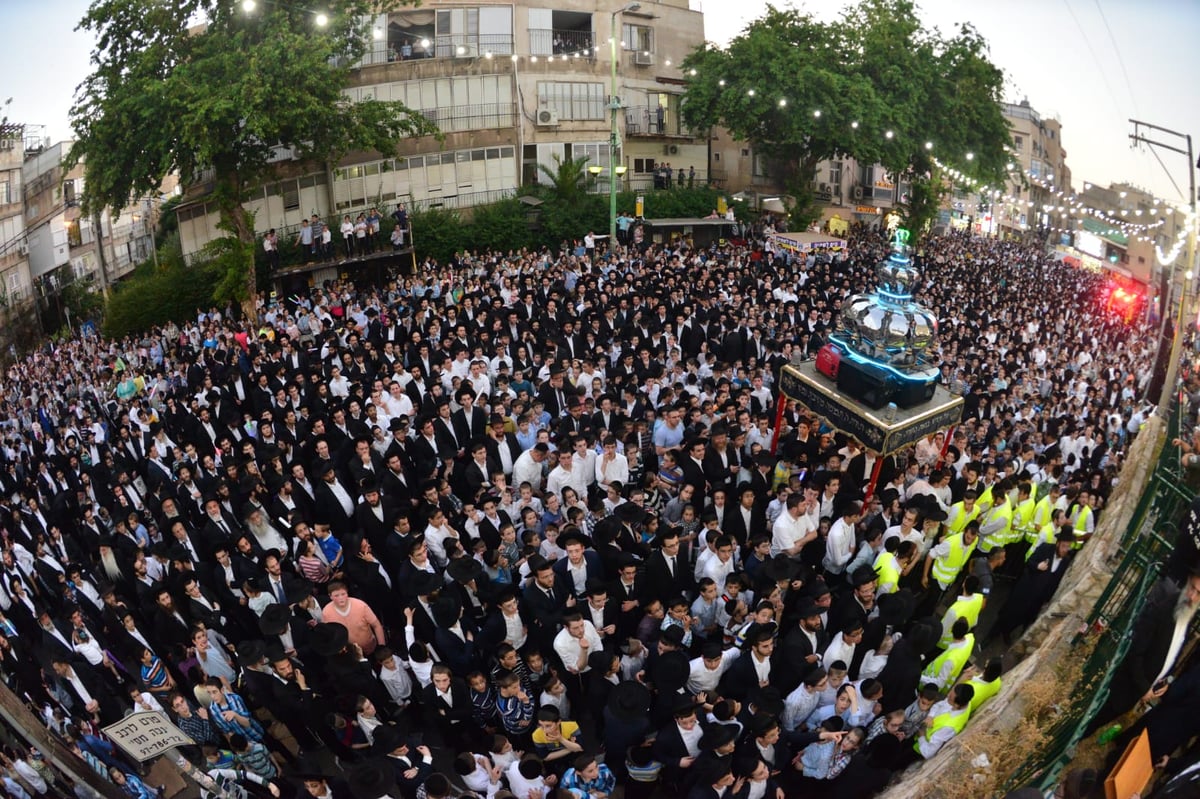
<point x="154" y="298"/>
<point x="505" y="225"/>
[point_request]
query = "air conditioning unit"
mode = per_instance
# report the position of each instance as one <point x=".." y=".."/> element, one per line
<point x="670" y="149"/>
<point x="643" y="58"/>
<point x="23" y="248"/>
<point x="547" y="117"/>
<point x="823" y="187"/>
<point x="857" y="192"/>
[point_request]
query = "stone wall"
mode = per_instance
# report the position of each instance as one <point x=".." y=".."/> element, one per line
<point x="1048" y="640"/>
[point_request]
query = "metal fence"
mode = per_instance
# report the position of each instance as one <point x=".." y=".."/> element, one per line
<point x="1144" y="547"/>
<point x="548" y="41"/>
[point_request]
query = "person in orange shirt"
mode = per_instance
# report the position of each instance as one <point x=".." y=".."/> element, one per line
<point x="356" y="616"/>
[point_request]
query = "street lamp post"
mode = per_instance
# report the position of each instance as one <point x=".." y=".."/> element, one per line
<point x="614" y="105"/>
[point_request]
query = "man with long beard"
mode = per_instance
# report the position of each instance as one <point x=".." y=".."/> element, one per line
<point x="1159" y="635"/>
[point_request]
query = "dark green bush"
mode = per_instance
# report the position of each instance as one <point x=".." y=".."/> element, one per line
<point x="145" y="300"/>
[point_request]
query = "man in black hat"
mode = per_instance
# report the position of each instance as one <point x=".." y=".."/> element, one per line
<point x="677" y="745"/>
<point x="375" y="514"/>
<point x="409" y="771"/>
<point x="1044" y="571"/>
<point x="802" y="646"/>
<point x="854" y="607"/>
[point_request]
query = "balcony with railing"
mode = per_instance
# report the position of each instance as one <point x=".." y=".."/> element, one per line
<point x="440" y="46"/>
<point x="552" y="41"/>
<point x="655" y="121"/>
<point x="455" y="118"/>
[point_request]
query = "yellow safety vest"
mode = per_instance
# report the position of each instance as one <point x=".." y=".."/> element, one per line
<point x="945" y="570"/>
<point x="957" y="653"/>
<point x="956" y="523"/>
<point x="983" y="691"/>
<point x="1023" y="520"/>
<point x="984" y="502"/>
<point x="888" y="569"/>
<point x="956" y="719"/>
<point x="1043" y="536"/>
<point x="1043" y="512"/>
<point x="1081" y="524"/>
<point x="1001" y="536"/>
<point x="964" y="608"/>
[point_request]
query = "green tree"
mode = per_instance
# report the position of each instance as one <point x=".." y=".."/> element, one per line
<point x="568" y="179"/>
<point x="218" y="101"/>
<point x="874" y="86"/>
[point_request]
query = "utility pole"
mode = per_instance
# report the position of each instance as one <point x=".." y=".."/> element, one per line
<point x="1168" y="389"/>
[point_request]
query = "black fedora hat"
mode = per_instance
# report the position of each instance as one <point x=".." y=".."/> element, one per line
<point x="573" y="537"/>
<point x="629" y="700"/>
<point x="251" y="652"/>
<point x="298" y="590"/>
<point x="447" y="610"/>
<point x="717" y="735"/>
<point x="464" y="570"/>
<point x="329" y="639"/>
<point x="388" y="738"/>
<point x="426" y="583"/>
<point x="275" y="619"/>
<point x="780" y="568"/>
<point x="372" y="779"/>
<point x="629" y="513"/>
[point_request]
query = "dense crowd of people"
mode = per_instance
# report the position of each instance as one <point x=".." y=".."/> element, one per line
<point x="524" y="522"/>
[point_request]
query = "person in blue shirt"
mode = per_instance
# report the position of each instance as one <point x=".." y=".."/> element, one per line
<point x="587" y="777"/>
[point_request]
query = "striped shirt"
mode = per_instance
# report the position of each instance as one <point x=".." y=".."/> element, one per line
<point x="256" y="758"/>
<point x="232" y="701"/>
<point x="515" y="713"/>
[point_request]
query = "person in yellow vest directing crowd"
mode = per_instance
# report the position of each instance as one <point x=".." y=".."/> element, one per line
<point x="1022" y="522"/>
<point x="996" y="527"/>
<point x="1047" y="533"/>
<point x="986" y="685"/>
<point x="967" y="606"/>
<point x="1083" y="518"/>
<point x="963" y="512"/>
<point x="945" y="668"/>
<point x="946" y="719"/>
<point x="892" y="563"/>
<point x="946" y="560"/>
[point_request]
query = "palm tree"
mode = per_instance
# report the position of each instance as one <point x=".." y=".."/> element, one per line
<point x="568" y="180"/>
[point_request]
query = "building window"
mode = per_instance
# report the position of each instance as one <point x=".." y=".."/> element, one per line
<point x="637" y="37"/>
<point x="643" y="166"/>
<point x="760" y="167"/>
<point x="291" y="195"/>
<point x="572" y="100"/>
<point x="1018" y="142"/>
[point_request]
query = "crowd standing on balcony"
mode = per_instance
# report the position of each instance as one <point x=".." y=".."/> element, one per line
<point x="526" y="522"/>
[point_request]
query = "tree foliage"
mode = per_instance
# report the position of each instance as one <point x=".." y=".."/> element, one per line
<point x="222" y="99"/>
<point x="802" y="91"/>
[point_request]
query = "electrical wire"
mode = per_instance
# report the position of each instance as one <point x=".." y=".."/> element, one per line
<point x="1120" y="60"/>
<point x="1099" y="65"/>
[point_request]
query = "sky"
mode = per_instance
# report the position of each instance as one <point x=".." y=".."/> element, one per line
<point x="1093" y="64"/>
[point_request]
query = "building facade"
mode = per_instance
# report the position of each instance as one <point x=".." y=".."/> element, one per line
<point x="1039" y="153"/>
<point x="14" y="244"/>
<point x="512" y="87"/>
<point x="64" y="244"/>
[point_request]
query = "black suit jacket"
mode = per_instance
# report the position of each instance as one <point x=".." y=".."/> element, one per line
<point x="735" y="525"/>
<point x="545" y="615"/>
<point x="789" y="663"/>
<point x="478" y="425"/>
<point x="660" y="582"/>
<point x="459" y="713"/>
